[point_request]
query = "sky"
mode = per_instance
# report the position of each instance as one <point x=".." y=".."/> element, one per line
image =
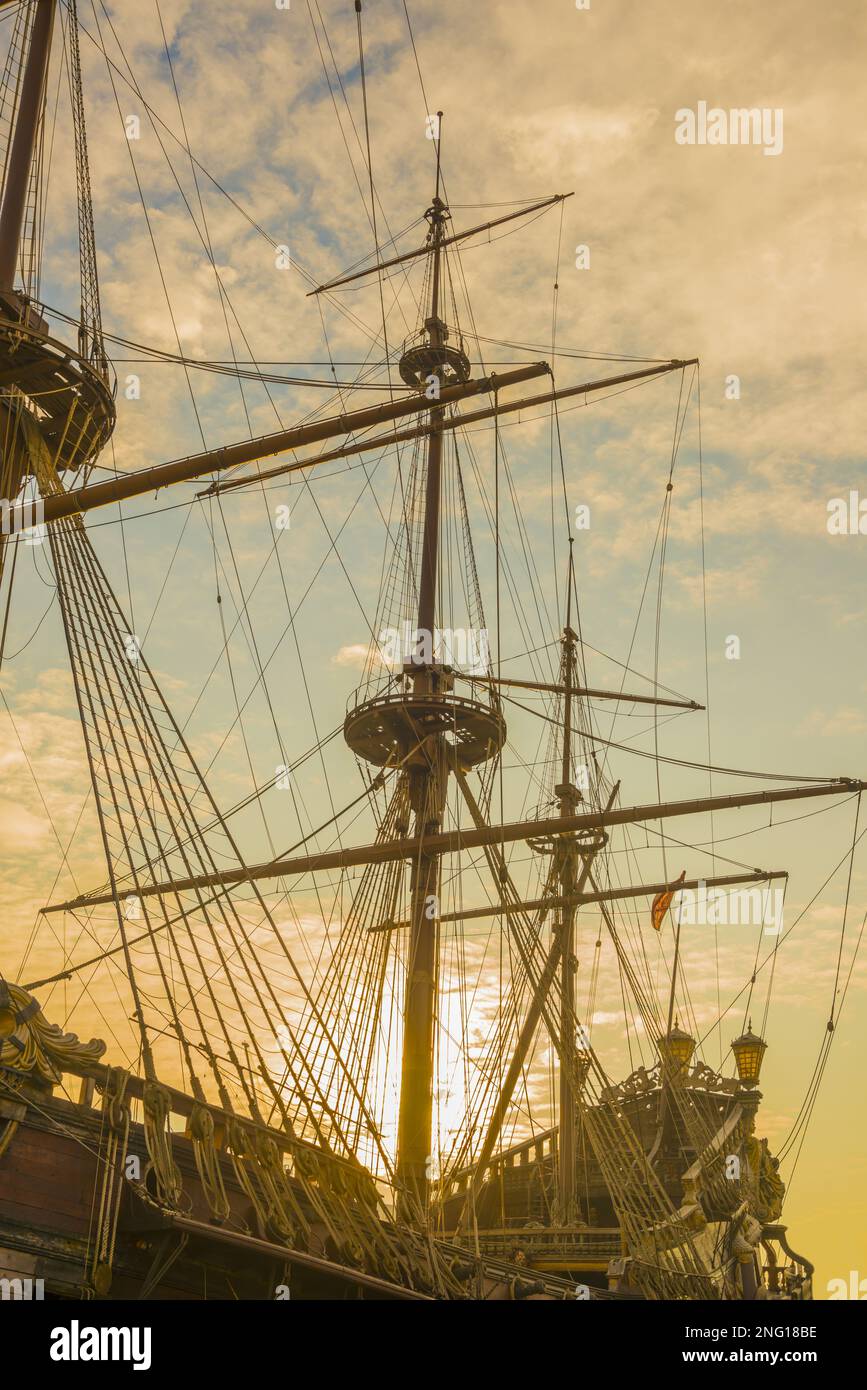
<point x="747" y="260"/>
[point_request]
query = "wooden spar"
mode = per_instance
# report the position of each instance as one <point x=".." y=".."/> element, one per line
<point x="248" y="450"/>
<point x="586" y="690"/>
<point x="607" y="895"/>
<point x="451" y="841"/>
<point x="453" y="422"/>
<point x="443" y="241"/>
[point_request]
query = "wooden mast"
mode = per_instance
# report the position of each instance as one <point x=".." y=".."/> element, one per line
<point x="24" y="141"/>
<point x="428" y="781"/>
<point x="144" y="480"/>
<point x="566" y="860"/>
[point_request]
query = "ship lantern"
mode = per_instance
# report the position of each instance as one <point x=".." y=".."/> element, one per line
<point x="749" y="1049"/>
<point x="676" y="1048"/>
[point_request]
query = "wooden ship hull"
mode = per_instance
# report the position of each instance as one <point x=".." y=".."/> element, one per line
<point x="75" y="1222"/>
<point x="94" y="1204"/>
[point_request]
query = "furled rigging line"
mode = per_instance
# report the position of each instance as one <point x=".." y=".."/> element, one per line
<point x="207" y="249"/>
<point x="101" y="619"/>
<point x="680" y="422"/>
<point x="778" y="940"/>
<point x="37" y="204"/>
<point x="90" y="337"/>
<point x="13" y="72"/>
<point x="133" y="85"/>
<point x="64" y="851"/>
<point x="236" y="369"/>
<point x="707" y="690"/>
<point x="374" y="196"/>
<point x="646" y="583"/>
<point x="566" y="352"/>
<point x="802" y="1119"/>
<point x="260" y="791"/>
<point x="204" y="234"/>
<point x="675" y="762"/>
<point x="149" y="225"/>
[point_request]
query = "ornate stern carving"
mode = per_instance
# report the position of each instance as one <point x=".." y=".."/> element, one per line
<point x="32" y="1048"/>
<point x="698" y="1077"/>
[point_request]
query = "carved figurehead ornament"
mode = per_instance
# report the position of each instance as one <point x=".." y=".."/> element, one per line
<point x="35" y="1049"/>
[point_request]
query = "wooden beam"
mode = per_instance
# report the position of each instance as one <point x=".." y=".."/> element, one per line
<point x="448" y="842"/>
<point x="184" y="470"/>
<point x="254" y="1245"/>
<point x="427" y="250"/>
<point x="586" y="690"/>
<point x="643" y="890"/>
<point x="451" y="422"/>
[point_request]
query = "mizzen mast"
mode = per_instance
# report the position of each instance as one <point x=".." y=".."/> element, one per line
<point x="566" y="862"/>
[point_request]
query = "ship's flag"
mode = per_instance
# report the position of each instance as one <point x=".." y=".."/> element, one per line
<point x="662" y="902"/>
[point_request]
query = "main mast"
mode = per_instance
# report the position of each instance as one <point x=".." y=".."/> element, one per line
<point x="428" y="780"/>
<point x="422" y="728"/>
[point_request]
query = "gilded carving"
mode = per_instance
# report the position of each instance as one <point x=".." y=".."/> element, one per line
<point x="29" y="1044"/>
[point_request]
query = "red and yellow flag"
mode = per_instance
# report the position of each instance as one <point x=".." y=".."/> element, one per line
<point x="662" y="902"/>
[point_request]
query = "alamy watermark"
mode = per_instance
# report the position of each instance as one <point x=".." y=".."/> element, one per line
<point x="467" y="649"/>
<point x="847" y="516"/>
<point x="25" y="519"/>
<point x="745" y="907"/>
<point x="741" y="125"/>
<point x="77" y="1343"/>
<point x="854" y="1287"/>
<point x="18" y="1289"/>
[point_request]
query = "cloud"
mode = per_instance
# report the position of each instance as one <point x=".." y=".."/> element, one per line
<point x="845" y="721"/>
<point x="354" y="656"/>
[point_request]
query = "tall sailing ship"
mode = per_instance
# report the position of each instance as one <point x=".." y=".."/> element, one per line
<point x="421" y="1112"/>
